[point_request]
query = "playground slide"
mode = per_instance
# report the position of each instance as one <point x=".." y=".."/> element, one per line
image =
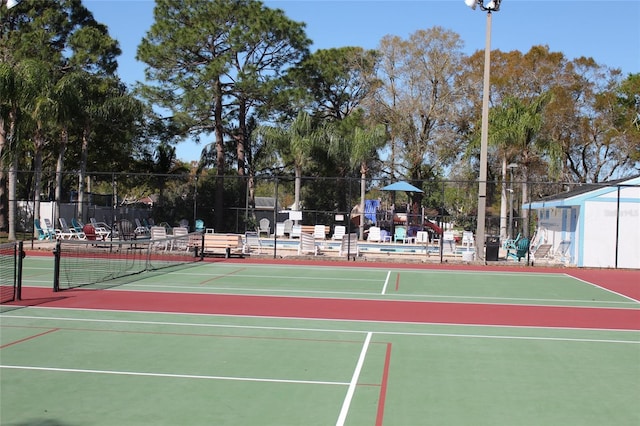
<point x="433" y="226"/>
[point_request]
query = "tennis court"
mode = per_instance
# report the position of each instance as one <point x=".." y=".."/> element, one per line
<point x="238" y="342"/>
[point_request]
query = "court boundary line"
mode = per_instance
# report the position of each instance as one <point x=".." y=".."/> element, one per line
<point x="177" y="376"/>
<point x="371" y="267"/>
<point x="329" y="330"/>
<point x="386" y="283"/>
<point x="608" y="290"/>
<point x="346" y="404"/>
<point x="238" y="292"/>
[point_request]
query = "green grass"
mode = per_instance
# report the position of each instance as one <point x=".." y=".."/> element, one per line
<point x="21" y="236"/>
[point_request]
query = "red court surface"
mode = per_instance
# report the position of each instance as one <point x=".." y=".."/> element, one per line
<point x="624" y="282"/>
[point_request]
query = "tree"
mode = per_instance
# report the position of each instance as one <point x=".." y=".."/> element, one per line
<point x="417" y="99"/>
<point x="166" y="164"/>
<point x="360" y="146"/>
<point x="515" y="132"/>
<point x="71" y="40"/>
<point x="295" y="144"/>
<point x="335" y="81"/>
<point x="333" y="85"/>
<point x="24" y="111"/>
<point x="212" y="62"/>
<point x="601" y="140"/>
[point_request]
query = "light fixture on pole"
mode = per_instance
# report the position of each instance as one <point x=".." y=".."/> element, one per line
<point x="510" y="228"/>
<point x="491" y="6"/>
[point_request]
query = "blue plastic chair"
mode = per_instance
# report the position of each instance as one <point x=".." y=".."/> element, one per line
<point x="400" y="234"/>
<point x="42" y="234"/>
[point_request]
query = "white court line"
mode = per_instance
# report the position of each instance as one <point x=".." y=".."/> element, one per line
<point x="372" y="268"/>
<point x="354" y="381"/>
<point x="386" y="283"/>
<point x="173" y="376"/>
<point x="333" y="330"/>
<point x="279" y="277"/>
<point x="603" y="288"/>
<point x="237" y="289"/>
<point x="407" y="297"/>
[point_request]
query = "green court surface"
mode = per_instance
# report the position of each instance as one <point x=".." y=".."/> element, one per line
<point x="64" y="367"/>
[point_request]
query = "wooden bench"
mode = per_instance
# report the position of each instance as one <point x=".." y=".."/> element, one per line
<point x="310" y="229"/>
<point x="227" y="244"/>
<point x="307" y="229"/>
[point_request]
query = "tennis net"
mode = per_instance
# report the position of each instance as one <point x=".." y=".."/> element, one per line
<point x="11" y="255"/>
<point x="80" y="263"/>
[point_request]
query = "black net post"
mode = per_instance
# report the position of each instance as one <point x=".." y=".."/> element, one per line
<point x="21" y="254"/>
<point x="56" y="267"/>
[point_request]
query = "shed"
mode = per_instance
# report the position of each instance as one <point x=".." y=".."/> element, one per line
<point x="594" y="225"/>
<point x="266" y="207"/>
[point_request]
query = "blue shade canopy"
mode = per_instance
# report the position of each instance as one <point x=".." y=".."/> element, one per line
<point x="402" y="186"/>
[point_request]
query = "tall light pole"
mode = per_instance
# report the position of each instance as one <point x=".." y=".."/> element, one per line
<point x="491" y="6"/>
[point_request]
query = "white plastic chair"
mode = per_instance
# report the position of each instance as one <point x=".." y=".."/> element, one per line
<point x="338" y="232"/>
<point x="374" y="235"/>
<point x="448" y="242"/>
<point x="467" y="240"/>
<point x="318" y="232"/>
<point x="296" y="231"/>
<point x="265" y="227"/>
<point x="251" y="242"/>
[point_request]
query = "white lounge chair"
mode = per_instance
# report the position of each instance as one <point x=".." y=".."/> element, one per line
<point x="349" y="246"/>
<point x="102" y="229"/>
<point x="318" y="232"/>
<point x="141" y="229"/>
<point x="181" y="242"/>
<point x="65" y="232"/>
<point x="296" y="231"/>
<point x="308" y="245"/>
<point x="338" y="232"/>
<point x="251" y="242"/>
<point x="159" y="238"/>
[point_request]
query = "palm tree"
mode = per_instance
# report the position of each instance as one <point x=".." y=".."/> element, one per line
<point x="296" y="143"/>
<point x="166" y="163"/>
<point x="102" y="99"/>
<point x="360" y="147"/>
<point x="67" y="97"/>
<point x="20" y="90"/>
<point x="9" y="95"/>
<point x="514" y="130"/>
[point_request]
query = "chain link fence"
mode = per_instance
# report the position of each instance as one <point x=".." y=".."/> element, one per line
<point x="235" y="204"/>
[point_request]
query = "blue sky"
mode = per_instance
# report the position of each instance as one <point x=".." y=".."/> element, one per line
<point x="606" y="30"/>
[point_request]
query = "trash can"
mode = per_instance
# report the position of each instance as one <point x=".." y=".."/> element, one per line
<point x="492" y="247"/>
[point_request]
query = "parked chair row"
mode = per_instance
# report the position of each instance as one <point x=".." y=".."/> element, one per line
<point x="291" y="230"/>
<point x="378" y="235"/>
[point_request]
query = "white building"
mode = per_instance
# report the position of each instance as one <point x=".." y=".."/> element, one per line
<point x="592" y="225"/>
